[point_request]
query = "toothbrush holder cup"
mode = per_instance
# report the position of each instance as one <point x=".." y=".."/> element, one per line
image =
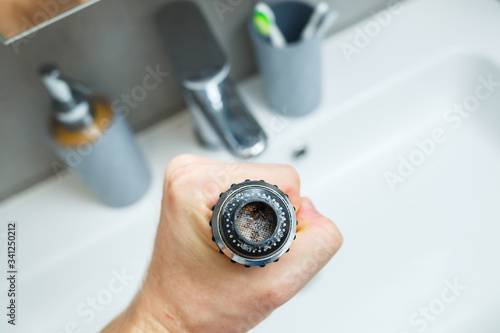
<point x="292" y="74"/>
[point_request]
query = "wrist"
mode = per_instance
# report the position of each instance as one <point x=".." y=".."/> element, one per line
<point x="137" y="318"/>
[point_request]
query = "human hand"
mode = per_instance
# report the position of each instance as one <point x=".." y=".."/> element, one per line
<point x="190" y="286"/>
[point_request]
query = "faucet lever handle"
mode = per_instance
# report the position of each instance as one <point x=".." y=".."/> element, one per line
<point x="190" y="44"/>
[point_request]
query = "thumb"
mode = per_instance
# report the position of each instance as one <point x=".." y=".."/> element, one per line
<point x="317" y="232"/>
<point x="318" y="239"/>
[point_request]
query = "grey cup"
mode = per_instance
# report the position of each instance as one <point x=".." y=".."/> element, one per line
<point x="113" y="168"/>
<point x="291" y="75"/>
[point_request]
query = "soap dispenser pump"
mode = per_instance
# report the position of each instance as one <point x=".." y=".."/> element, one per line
<point x="94" y="141"/>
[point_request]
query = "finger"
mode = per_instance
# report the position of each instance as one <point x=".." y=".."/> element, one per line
<point x="318" y="239"/>
<point x="217" y="178"/>
<point x="186" y="159"/>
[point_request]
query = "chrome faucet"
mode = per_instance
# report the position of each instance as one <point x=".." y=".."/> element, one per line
<point x="218" y="112"/>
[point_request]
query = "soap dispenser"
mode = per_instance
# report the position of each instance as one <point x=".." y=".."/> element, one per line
<point x="94" y="141"/>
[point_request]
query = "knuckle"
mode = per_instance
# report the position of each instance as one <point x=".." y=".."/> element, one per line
<point x="290" y="172"/>
<point x="172" y="180"/>
<point x="289" y="181"/>
<point x="177" y="179"/>
<point x="333" y="237"/>
<point x="289" y="169"/>
<point x="179" y="161"/>
<point x="272" y="298"/>
<point x="340" y="238"/>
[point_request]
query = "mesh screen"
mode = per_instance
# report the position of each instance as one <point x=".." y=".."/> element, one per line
<point x="256" y="222"/>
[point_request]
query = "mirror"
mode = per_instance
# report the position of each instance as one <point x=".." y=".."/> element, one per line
<point x="19" y="18"/>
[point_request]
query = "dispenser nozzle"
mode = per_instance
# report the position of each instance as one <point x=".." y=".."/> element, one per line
<point x="56" y="85"/>
<point x="71" y="105"/>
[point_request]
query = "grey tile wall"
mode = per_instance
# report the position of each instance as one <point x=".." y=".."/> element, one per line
<point x="108" y="46"/>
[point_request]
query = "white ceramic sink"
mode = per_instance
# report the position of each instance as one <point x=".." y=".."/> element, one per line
<point x="421" y="255"/>
<point x="405" y="246"/>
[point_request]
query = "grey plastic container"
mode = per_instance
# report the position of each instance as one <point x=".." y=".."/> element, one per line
<point x="112" y="167"/>
<point x="291" y="75"/>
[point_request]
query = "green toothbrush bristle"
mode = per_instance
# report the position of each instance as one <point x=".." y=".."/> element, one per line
<point x="261" y="23"/>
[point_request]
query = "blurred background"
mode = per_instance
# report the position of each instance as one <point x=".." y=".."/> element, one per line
<point x="108" y="46"/>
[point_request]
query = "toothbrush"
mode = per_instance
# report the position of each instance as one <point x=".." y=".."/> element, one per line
<point x="265" y="23"/>
<point x="328" y="20"/>
<point x="315" y="20"/>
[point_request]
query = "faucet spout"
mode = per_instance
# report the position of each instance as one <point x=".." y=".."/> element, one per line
<point x="220" y="116"/>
